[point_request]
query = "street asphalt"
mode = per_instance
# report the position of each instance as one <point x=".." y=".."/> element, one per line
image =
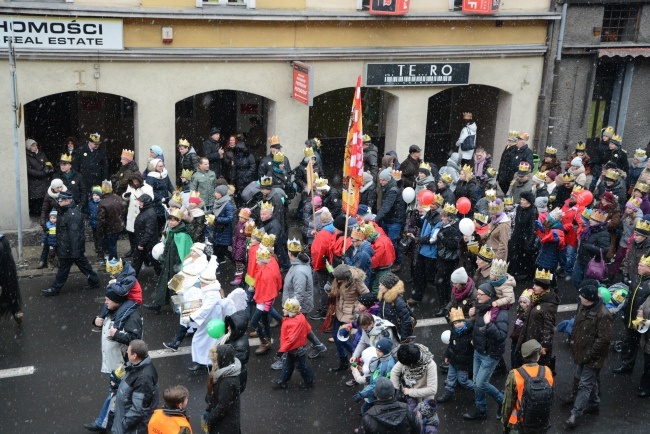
<point x="66" y="389"/>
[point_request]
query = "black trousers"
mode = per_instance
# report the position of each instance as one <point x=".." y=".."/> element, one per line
<point x="424" y="271"/>
<point x="630" y="348"/>
<point x="645" y="377"/>
<point x="144" y="256"/>
<point x="64" y="270"/>
<point x="443" y="281"/>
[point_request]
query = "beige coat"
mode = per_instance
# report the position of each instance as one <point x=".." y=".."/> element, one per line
<point x="498" y="239"/>
<point x="581" y="176"/>
<point x="425" y="387"/>
<point x="348" y="294"/>
<point x="506" y="292"/>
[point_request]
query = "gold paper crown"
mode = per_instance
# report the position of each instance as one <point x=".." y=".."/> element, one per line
<point x="499" y="268"/>
<point x="587" y="213"/>
<point x="437" y="198"/>
<point x="366" y="138"/>
<point x="512" y="135"/>
<point x="635" y="202"/>
<point x="491" y="195"/>
<point x="581" y="146"/>
<point x="396" y="174"/>
<point x="176" y="197"/>
<point x="645" y="260"/>
<point x="176" y="213"/>
<point x="249" y="227"/>
<point x="508" y="200"/>
<point x="369" y="229"/>
<point x="543" y="275"/>
<point x="599" y="216"/>
<point x="278" y="157"/>
<point x="609" y="130"/>
<point x="425" y="207"/>
<point x="274" y="140"/>
<point x="294" y="245"/>
<point x="258" y="233"/>
<point x="195" y="193"/>
<point x="445" y="177"/>
<point x="642" y="187"/>
<point x="127" y="154"/>
<point x="491" y="172"/>
<point x="486" y="253"/>
<point x="263" y="254"/>
<point x="467" y="115"/>
<point x="321" y="182"/>
<point x="456" y="314"/>
<point x="358" y="232"/>
<point x="556" y="214"/>
<point x="291" y="305"/>
<point x="309" y="152"/>
<point x="640" y="153"/>
<point x="540" y="176"/>
<point x="96" y="189"/>
<point x="450" y="208"/>
<point x="550" y="150"/>
<point x="183" y="142"/>
<point x="617" y="139"/>
<point x="107" y="187"/>
<point x="467" y="169"/>
<point x="266" y="205"/>
<point x="568" y="177"/>
<point x="612" y="174"/>
<point x="317" y="141"/>
<point x="187" y="173"/>
<point x="523" y="136"/>
<point x="116" y="269"/>
<point x="266" y="181"/>
<point x="268" y="241"/>
<point x="425" y="166"/>
<point x="577" y="188"/>
<point x="66" y="158"/>
<point x="524" y="167"/>
<point x="244" y="213"/>
<point x="481" y="218"/>
<point x="643" y="226"/>
<point x="95" y="138"/>
<point x="495" y="207"/>
<point x="209" y="219"/>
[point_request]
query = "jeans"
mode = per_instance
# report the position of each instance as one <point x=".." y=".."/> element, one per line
<point x="484" y="366"/>
<point x="568" y="259"/>
<point x="64" y="271"/>
<point x="342" y="348"/>
<point x="456" y="376"/>
<point x="587" y="389"/>
<point x="109" y="243"/>
<point x="264" y="329"/>
<point x="103" y="413"/>
<point x="298" y="362"/>
<point x="393" y="231"/>
<point x="578" y="273"/>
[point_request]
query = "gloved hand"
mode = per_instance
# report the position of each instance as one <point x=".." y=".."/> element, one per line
<point x="539" y="225"/>
<point x="327" y="288"/>
<point x="357" y="398"/>
<point x="638" y="323"/>
<point x="127" y="195"/>
<point x="185" y="320"/>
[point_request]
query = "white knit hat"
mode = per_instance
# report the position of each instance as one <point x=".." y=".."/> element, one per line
<point x="577" y="161"/>
<point x="459" y="276"/>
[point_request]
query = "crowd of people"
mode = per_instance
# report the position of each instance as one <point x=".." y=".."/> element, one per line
<point x="460" y="237"/>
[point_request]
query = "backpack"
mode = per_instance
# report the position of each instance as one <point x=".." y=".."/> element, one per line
<point x="469" y="143"/>
<point x="536" y="402"/>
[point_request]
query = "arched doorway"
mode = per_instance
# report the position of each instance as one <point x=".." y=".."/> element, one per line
<point x="329" y="118"/>
<point x="51" y="119"/>
<point x="230" y="110"/>
<point x="444" y="119"/>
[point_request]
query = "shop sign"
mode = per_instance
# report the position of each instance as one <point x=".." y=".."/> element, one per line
<point x="481" y="6"/>
<point x="47" y="33"/>
<point x="417" y="74"/>
<point x="303" y="83"/>
<point x="389" y="7"/>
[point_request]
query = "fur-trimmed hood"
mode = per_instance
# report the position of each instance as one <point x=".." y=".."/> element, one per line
<point x="390" y="295"/>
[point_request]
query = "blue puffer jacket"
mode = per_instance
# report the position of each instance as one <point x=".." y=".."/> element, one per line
<point x="362" y="259"/>
<point x="222" y="233"/>
<point x="92" y="213"/>
<point x="549" y="253"/>
<point x="428" y="248"/>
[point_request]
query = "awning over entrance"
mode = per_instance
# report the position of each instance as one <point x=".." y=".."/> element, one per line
<point x="624" y="52"/>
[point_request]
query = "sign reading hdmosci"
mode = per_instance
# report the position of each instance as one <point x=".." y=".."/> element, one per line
<point x="417" y="74"/>
<point x="62" y="33"/>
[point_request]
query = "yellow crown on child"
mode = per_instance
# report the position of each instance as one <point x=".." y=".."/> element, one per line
<point x="642" y="187"/>
<point x="263" y="254"/>
<point x="616" y="138"/>
<point x="577" y="188"/>
<point x="599" y="216"/>
<point x="176" y="197"/>
<point x="481" y="218"/>
<point x="550" y="150"/>
<point x="249" y="227"/>
<point x="437" y="198"/>
<point x="294" y="245"/>
<point x="634" y="202"/>
<point x="266" y="181"/>
<point x="396" y="174"/>
<point x="643" y="226"/>
<point x="491" y="172"/>
<point x="495" y="207"/>
<point x="128" y="154"/>
<point x="358" y="232"/>
<point x="609" y="131"/>
<point x="612" y="174"/>
<point x="467" y="115"/>
<point x="456" y="314"/>
<point x="274" y="140"/>
<point x="581" y="146"/>
<point x="450" y="208"/>
<point x="195" y="193"/>
<point x="486" y="253"/>
<point x="645" y="260"/>
<point x="467" y="169"/>
<point x="268" y="241"/>
<point x="640" y="153"/>
<point x="524" y="167"/>
<point x="369" y="229"/>
<point x="508" y="200"/>
<point x="540" y="176"/>
<point x="95" y="138"/>
<point x="366" y="138"/>
<point x="278" y="157"/>
<point x="184" y="143"/>
<point x="491" y="195"/>
<point x="543" y="275"/>
<point x="267" y="206"/>
<point x="425" y="166"/>
<point x="187" y="173"/>
<point x="209" y="219"/>
<point x="321" y="182"/>
<point x="499" y="268"/>
<point x="257" y="232"/>
<point x="446" y="178"/>
<point x="114" y="267"/>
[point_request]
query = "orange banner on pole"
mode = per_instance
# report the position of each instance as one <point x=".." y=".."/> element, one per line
<point x="353" y="163"/>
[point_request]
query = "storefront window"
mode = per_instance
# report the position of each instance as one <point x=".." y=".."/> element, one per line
<point x="620" y="23"/>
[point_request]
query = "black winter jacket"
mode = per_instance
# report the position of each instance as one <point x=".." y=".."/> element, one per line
<point x="145" y="227"/>
<point x="211" y="152"/>
<point x="399" y="314"/>
<point x="490" y="339"/>
<point x="369" y="196"/>
<point x="70" y="234"/>
<point x="598" y="240"/>
<point x="448" y="242"/>
<point x="370" y="160"/>
<point x="129" y="328"/>
<point x="38" y="174"/>
<point x="467" y="189"/>
<point x="332" y="200"/>
<point x="448" y="195"/>
<point x="460" y="350"/>
<point x="639" y="292"/>
<point x="137" y="398"/>
<point x="393" y="207"/>
<point x="225" y="406"/>
<point x="388" y="416"/>
<point x="93" y="166"/>
<point x="237" y="323"/>
<point x="243" y="169"/>
<point x="76" y="186"/>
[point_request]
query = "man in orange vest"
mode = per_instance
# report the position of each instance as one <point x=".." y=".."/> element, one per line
<point x="513" y="394"/>
<point x="171" y="419"/>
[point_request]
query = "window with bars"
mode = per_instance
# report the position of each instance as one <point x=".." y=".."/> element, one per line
<point x="620" y="23"/>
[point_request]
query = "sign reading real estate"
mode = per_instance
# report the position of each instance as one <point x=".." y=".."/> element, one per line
<point x="417" y="74"/>
<point x="62" y="33"/>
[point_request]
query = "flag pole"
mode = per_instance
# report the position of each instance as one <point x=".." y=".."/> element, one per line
<point x="310" y="176"/>
<point x="347" y="216"/>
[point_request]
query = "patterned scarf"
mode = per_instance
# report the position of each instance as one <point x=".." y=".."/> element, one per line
<point x="413" y="373"/>
<point x="536" y="298"/>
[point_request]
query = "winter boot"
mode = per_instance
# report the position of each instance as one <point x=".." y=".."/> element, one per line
<point x="41" y="265"/>
<point x="51" y="258"/>
<point x="571" y="398"/>
<point x="239" y="274"/>
<point x="344" y="365"/>
<point x="176" y="342"/>
<point x="265" y="346"/>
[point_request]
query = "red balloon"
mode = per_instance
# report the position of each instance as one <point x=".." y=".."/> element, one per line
<point x="584" y="198"/>
<point x="463" y="205"/>
<point x="426" y="197"/>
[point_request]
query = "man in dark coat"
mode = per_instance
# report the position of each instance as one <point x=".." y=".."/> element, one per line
<point x="236" y="325"/>
<point x="601" y="156"/>
<point x="91" y="162"/>
<point x="386" y="414"/>
<point x="213" y="151"/>
<point x="331" y="197"/>
<point x="266" y="163"/>
<point x="39" y="172"/>
<point x="275" y="227"/>
<point x="592" y="334"/>
<point x="70" y="245"/>
<point x="370" y="154"/>
<point x="520" y="152"/>
<point x="145" y="235"/>
<point x="410" y="166"/>
<point x="109" y="219"/>
<point x="243" y="169"/>
<point x="506" y="171"/>
<point x="137" y="397"/>
<point x="73" y="181"/>
<point x="593" y="240"/>
<point x="392" y="214"/>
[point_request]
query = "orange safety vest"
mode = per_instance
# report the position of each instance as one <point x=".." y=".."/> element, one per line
<point x="519" y="382"/>
<point x="160" y="423"/>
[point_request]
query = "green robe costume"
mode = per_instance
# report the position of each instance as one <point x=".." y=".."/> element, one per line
<point x="177" y="246"/>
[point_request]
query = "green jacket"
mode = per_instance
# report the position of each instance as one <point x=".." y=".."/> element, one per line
<point x="204" y="183"/>
<point x="177" y="246"/>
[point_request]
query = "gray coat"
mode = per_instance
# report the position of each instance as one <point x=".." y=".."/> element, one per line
<point x="299" y="283"/>
<point x="137" y="398"/>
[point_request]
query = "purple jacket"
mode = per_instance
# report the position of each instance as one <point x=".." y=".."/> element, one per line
<point x="239" y="242"/>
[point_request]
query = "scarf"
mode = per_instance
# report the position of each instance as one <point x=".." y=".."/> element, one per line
<point x="499" y="281"/>
<point x="231" y="370"/>
<point x="498" y="218"/>
<point x="589" y="229"/>
<point x="478" y="165"/>
<point x="424" y="181"/>
<point x="536" y="298"/>
<point x="367" y="186"/>
<point x="219" y="205"/>
<point x="461" y="293"/>
<point x="458" y="332"/>
<point x="413" y="373"/>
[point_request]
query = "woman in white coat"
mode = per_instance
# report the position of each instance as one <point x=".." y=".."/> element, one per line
<point x="136" y="188"/>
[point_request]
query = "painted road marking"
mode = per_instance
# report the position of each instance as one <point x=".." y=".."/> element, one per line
<point x="16" y="372"/>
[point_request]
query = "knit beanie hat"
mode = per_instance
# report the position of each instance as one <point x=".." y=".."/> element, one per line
<point x="368" y="299"/>
<point x="551" y="174"/>
<point x="577" y="161"/>
<point x="386" y="174"/>
<point x="222" y="190"/>
<point x="114" y="296"/>
<point x="488" y="289"/>
<point x="389" y="280"/>
<point x="384" y="388"/>
<point x="529" y="196"/>
<point x="541" y="203"/>
<point x="339" y="222"/>
<point x="589" y="292"/>
<point x="384" y="345"/>
<point x="459" y="276"/>
<point x="326" y="217"/>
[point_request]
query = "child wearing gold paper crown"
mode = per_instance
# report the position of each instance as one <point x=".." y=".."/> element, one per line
<point x="243" y="231"/>
<point x="459" y="354"/>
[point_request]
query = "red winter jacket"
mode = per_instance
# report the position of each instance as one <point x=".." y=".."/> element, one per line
<point x="135" y="293"/>
<point x="293" y="334"/>
<point x="323" y="245"/>
<point x="268" y="281"/>
<point x="570" y="234"/>
<point x="384" y="252"/>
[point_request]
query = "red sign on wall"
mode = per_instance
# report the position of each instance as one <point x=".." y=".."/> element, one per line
<point x="303" y="83"/>
<point x="389" y="7"/>
<point x="481" y="6"/>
